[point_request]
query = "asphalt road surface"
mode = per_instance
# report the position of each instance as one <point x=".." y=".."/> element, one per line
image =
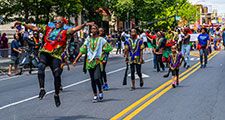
<point x="200" y="95"/>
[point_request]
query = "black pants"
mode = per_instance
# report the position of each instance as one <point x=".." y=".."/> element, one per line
<point x="54" y="63"/>
<point x="118" y="50"/>
<point x="203" y="52"/>
<point x="95" y="75"/>
<point x="175" y="72"/>
<point x="138" y="69"/>
<point x="159" y="62"/>
<point x="103" y="73"/>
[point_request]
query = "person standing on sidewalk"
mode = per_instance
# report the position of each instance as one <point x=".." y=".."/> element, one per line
<point x="55" y="41"/>
<point x="185" y="49"/>
<point x="15" y="51"/>
<point x="134" y="56"/>
<point x="203" y="43"/>
<point x="3" y="45"/>
<point x="95" y="47"/>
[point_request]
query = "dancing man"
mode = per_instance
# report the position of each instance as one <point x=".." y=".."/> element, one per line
<point x="55" y="40"/>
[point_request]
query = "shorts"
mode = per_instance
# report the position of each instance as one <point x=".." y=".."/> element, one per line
<point x="175" y="72"/>
<point x="14" y="60"/>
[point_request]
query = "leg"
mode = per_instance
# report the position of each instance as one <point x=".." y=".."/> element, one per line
<point x="161" y="63"/>
<point x="167" y="75"/>
<point x="177" y="76"/>
<point x="206" y="57"/>
<point x="183" y="53"/>
<point x="154" y="60"/>
<point x="188" y="48"/>
<point x="41" y="75"/>
<point x="104" y="73"/>
<point x="104" y="77"/>
<point x="132" y="69"/>
<point x="201" y="57"/>
<point x="157" y="63"/>
<point x="93" y="84"/>
<point x="57" y="71"/>
<point x="44" y="58"/>
<point x="138" y="68"/>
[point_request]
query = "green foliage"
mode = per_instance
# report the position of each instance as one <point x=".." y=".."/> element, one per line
<point x="159" y="12"/>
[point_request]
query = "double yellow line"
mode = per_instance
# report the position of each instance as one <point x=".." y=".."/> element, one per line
<point x="135" y="108"/>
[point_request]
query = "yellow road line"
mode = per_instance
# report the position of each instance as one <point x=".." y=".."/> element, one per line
<point x="135" y="104"/>
<point x="142" y="107"/>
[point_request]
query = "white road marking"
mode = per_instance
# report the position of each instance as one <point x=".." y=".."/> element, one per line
<point x="136" y="76"/>
<point x="68" y="86"/>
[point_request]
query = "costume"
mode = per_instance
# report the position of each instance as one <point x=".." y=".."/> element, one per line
<point x="175" y="62"/>
<point x="95" y="48"/>
<point x="135" y="50"/>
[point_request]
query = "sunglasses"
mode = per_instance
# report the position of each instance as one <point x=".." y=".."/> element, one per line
<point x="57" y="21"/>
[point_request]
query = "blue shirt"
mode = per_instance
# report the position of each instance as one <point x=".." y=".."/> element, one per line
<point x="15" y="44"/>
<point x="203" y="39"/>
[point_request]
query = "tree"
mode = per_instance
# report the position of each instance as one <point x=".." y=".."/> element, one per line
<point x="35" y="8"/>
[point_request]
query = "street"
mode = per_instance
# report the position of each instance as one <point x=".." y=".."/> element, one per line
<point x="199" y="96"/>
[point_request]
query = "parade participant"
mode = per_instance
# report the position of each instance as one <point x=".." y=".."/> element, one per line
<point x="186" y="48"/>
<point x="134" y="56"/>
<point x="105" y="60"/>
<point x="55" y="40"/>
<point x="160" y="45"/>
<point x="203" y="42"/>
<point x="176" y="60"/>
<point x="217" y="38"/>
<point x="152" y="44"/>
<point x="95" y="47"/>
<point x="223" y="36"/>
<point x="169" y="43"/>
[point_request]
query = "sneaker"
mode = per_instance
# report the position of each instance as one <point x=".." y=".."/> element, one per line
<point x="103" y="87"/>
<point x="106" y="87"/>
<point x="166" y="76"/>
<point x="188" y="67"/>
<point x="100" y="97"/>
<point x="177" y="82"/>
<point x="141" y="83"/>
<point x="174" y="84"/>
<point x="201" y="66"/>
<point x="57" y="100"/>
<point x="204" y="66"/>
<point x="95" y="99"/>
<point x="132" y="88"/>
<point x="41" y="94"/>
